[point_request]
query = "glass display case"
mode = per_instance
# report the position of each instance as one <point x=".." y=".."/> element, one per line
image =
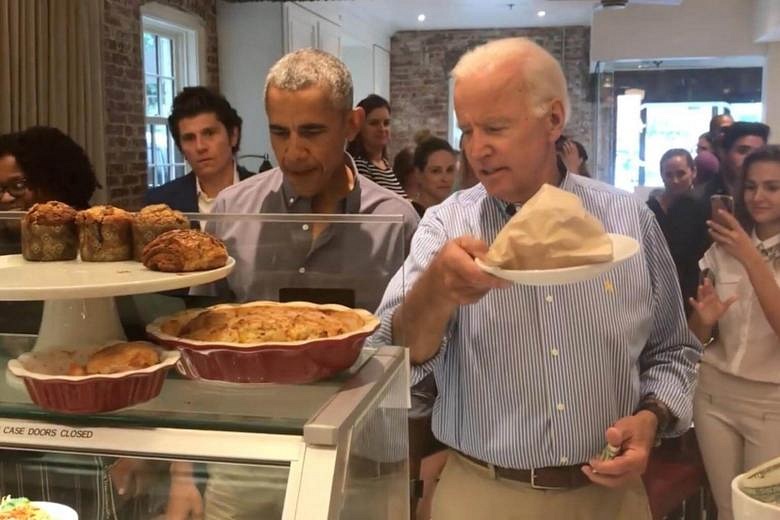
<point x="335" y="448"/>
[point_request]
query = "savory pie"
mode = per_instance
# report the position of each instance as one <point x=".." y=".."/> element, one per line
<point x="265" y="323"/>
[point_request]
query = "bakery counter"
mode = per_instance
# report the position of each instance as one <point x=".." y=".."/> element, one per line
<point x="334" y="448"/>
<point x="211" y="406"/>
<point x="338" y="447"/>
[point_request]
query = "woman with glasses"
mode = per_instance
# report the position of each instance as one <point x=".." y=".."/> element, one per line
<point x="41" y="164"/>
<point x="37" y="165"/>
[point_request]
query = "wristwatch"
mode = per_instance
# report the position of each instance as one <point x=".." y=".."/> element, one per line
<point x="661" y="412"/>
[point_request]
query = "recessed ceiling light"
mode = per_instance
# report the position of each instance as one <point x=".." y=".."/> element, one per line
<point x="420" y="17"/>
<point x="541" y="14"/>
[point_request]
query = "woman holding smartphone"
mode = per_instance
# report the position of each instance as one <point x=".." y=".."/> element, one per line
<point x="736" y="315"/>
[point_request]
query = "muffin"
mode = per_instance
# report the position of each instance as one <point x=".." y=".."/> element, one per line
<point x="184" y="250"/>
<point x="151" y="222"/>
<point x="105" y="234"/>
<point x="49" y="232"/>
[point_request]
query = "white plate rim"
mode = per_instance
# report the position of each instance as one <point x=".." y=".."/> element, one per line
<point x="168" y="358"/>
<point x="563" y="275"/>
<point x="159" y="281"/>
<point x="46" y="506"/>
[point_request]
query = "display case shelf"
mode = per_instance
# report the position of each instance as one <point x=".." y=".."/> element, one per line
<point x="335" y="449"/>
<point x="206" y="405"/>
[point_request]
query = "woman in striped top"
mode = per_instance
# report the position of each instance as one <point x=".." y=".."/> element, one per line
<point x="369" y="148"/>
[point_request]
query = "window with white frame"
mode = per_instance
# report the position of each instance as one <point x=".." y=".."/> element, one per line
<point x="172" y="49"/>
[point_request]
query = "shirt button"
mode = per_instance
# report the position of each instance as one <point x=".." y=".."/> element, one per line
<point x="560" y="407"/>
<point x="302" y="270"/>
<point x="554" y="352"/>
<point x="305" y="227"/>
<point x="548" y="298"/>
<point x="564" y="460"/>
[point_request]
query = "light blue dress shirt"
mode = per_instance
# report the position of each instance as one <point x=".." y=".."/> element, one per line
<point x="532" y="376"/>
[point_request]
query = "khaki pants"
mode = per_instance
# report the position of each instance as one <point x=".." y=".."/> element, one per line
<point x="236" y="492"/>
<point x="466" y="491"/>
<point x="738" y="427"/>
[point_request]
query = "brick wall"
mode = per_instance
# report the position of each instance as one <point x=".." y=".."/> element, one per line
<point x="420" y="62"/>
<point x="124" y="91"/>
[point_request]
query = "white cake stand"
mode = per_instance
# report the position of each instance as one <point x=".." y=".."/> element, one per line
<point x="79" y="307"/>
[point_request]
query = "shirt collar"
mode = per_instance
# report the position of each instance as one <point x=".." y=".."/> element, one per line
<point x="299" y="204"/>
<point x="510" y="208"/>
<point x="766" y="244"/>
<point x="202" y="194"/>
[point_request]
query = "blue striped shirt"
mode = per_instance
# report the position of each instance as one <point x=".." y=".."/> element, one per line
<point x="533" y="376"/>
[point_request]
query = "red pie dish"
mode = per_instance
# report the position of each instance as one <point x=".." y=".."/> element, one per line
<point x="265" y="342"/>
<point x="42" y="373"/>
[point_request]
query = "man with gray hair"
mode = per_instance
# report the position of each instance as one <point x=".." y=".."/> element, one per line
<point x="308" y="100"/>
<point x="534" y="381"/>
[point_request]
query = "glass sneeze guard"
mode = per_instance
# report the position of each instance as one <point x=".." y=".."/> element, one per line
<point x="283" y="265"/>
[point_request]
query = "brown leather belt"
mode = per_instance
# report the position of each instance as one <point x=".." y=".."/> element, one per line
<point x="553" y="477"/>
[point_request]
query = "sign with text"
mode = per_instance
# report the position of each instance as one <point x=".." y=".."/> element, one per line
<point x="154" y="442"/>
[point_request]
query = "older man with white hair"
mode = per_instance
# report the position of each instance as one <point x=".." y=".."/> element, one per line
<point x="534" y="381"/>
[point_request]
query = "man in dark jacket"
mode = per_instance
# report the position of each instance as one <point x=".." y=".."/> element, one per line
<point x="738" y="141"/>
<point x="207" y="131"/>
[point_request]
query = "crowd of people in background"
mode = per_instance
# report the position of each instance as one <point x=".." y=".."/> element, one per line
<point x="724" y="257"/>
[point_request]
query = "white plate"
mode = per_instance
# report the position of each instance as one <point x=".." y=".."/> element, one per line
<point x="57" y="511"/>
<point x="23" y="280"/>
<point x="623" y="248"/>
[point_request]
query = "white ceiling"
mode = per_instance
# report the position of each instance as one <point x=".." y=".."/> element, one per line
<point x="401" y="15"/>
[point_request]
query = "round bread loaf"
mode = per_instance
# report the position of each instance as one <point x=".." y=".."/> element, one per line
<point x="105" y="234"/>
<point x="151" y="222"/>
<point x="49" y="232"/>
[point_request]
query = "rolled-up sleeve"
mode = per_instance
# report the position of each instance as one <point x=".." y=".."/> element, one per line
<point x="668" y="362"/>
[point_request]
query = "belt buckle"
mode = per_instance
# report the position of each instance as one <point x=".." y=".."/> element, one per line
<point x="534" y="485"/>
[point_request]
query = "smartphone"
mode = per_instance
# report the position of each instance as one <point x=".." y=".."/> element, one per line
<point x="724" y="202"/>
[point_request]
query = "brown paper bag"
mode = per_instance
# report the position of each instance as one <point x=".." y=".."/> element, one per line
<point x="551" y="230"/>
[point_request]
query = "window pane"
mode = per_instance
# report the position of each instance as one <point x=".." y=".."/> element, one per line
<point x="150" y="53"/>
<point x="152" y="97"/>
<point x="161" y="144"/>
<point x="149" y="146"/>
<point x="746" y="112"/>
<point x="150" y="180"/>
<point x="166" y="56"/>
<point x="161" y="158"/>
<point x="179" y="171"/>
<point x="166" y="96"/>
<point x="177" y="156"/>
